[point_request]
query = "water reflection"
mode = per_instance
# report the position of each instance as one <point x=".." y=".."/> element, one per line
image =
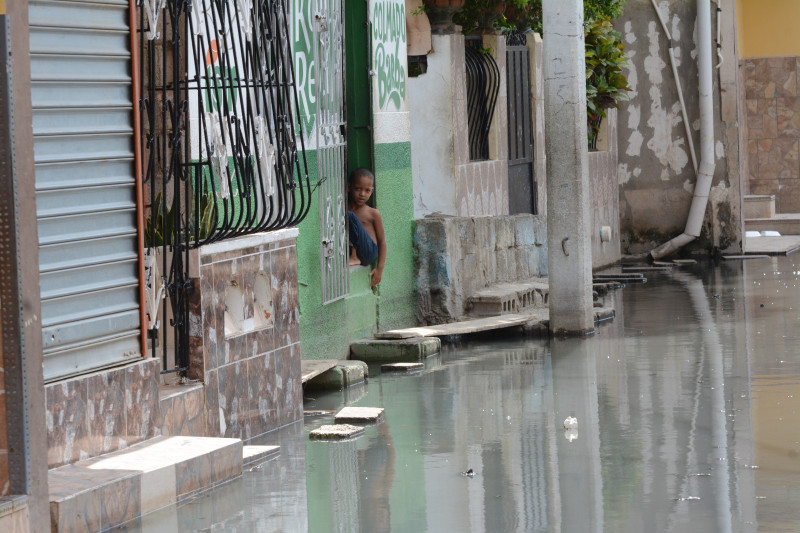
<point x="678" y="400"/>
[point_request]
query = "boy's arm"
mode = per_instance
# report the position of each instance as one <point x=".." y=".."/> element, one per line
<point x="377" y="274"/>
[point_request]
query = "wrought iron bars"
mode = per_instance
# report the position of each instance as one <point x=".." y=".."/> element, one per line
<point x="223" y="153"/>
<point x="483" y="86"/>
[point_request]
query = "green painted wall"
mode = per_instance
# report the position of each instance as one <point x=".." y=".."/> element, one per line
<point x="326" y="331"/>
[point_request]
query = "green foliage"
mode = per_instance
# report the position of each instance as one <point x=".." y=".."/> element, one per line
<point x="606" y="86"/>
<point x="479" y="15"/>
<point x="160" y="225"/>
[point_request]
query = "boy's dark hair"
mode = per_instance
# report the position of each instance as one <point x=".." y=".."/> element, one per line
<point x="359" y="172"/>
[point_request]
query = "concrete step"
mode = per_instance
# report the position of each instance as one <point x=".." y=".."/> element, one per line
<point x="784" y="223"/>
<point x="759" y="206"/>
<point x="107" y="491"/>
<point x="510" y="298"/>
<point x="340" y="376"/>
<point x="311" y="368"/>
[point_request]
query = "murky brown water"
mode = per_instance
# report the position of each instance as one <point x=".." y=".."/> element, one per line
<point x="688" y="409"/>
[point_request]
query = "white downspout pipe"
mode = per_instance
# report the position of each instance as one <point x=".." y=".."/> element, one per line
<point x="705" y="171"/>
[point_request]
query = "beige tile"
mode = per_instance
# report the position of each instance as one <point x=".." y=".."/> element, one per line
<point x="761" y="119"/>
<point x="158" y="489"/>
<point x="778" y="159"/>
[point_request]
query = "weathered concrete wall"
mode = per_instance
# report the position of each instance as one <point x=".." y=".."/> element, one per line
<point x="445" y="180"/>
<point x="772" y="129"/>
<point x="655" y="171"/>
<point x="460" y="255"/>
<point x="604" y="195"/>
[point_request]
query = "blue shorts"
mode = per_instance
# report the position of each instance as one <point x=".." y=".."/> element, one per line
<point x="366" y="248"/>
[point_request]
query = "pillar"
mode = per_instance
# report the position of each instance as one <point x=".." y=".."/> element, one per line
<point x="568" y="192"/>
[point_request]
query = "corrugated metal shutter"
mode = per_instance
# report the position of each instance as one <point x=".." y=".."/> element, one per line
<point x="85" y="184"/>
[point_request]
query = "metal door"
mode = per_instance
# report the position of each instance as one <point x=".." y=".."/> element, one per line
<point x="331" y="146"/>
<point x="521" y="180"/>
<point x="85" y="187"/>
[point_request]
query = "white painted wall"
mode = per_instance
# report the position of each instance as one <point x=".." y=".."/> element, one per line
<point x="430" y="99"/>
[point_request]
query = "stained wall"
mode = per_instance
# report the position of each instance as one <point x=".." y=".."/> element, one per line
<point x="655" y="173"/>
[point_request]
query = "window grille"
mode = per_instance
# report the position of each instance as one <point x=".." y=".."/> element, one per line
<point x="483" y="86"/>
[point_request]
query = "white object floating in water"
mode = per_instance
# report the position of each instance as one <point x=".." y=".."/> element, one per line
<point x="770" y="233"/>
<point x="752" y="234"/>
<point x="570" y="423"/>
<point x="571" y="434"/>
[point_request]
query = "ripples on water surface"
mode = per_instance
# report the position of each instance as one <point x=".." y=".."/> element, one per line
<point x="688" y="406"/>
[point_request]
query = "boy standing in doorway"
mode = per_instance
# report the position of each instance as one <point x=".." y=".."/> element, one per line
<point x="367" y="241"/>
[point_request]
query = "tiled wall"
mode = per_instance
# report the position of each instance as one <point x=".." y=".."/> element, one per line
<point x="481" y="186"/>
<point x="95" y="414"/>
<point x="14" y="514"/>
<point x="772" y="110"/>
<point x="252" y="377"/>
<point x="247" y="382"/>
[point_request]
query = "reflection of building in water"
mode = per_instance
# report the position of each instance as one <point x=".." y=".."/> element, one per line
<point x="503" y="429"/>
<point x="772" y="335"/>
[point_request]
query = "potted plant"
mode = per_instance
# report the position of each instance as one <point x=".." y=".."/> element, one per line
<point x="440" y="13"/>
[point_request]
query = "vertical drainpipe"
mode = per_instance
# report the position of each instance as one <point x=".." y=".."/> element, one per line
<point x="705" y="171"/>
<point x="137" y="165"/>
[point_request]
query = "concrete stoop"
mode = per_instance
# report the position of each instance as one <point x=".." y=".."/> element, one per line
<point x="759" y="206"/>
<point x="340" y="375"/>
<point x="510" y="297"/>
<point x="382" y="350"/>
<point x="107" y="491"/>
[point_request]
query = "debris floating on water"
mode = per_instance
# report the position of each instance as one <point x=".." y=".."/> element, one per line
<point x="468" y="473"/>
<point x="571" y="423"/>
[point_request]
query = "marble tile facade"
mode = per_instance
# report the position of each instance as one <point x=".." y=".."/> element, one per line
<point x="14" y="514"/>
<point x="252" y="374"/>
<point x="105" y="492"/>
<point x="99" y="413"/>
<point x="772" y="129"/>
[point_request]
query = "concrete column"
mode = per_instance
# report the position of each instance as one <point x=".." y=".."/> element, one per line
<point x="568" y="193"/>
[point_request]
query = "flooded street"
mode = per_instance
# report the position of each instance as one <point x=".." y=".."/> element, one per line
<point x="688" y="410"/>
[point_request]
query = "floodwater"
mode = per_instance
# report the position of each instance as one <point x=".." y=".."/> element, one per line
<point x="688" y="410"/>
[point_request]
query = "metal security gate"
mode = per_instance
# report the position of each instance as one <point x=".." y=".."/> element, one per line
<point x="521" y="180"/>
<point x="331" y="146"/>
<point x="85" y="184"/>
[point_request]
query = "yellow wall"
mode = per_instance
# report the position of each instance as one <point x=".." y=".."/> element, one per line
<point x="768" y="27"/>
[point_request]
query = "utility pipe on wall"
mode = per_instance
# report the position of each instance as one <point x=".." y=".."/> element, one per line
<point x="705" y="171"/>
<point x="673" y="64"/>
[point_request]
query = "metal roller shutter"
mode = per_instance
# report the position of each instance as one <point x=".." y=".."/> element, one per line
<point x="85" y="184"/>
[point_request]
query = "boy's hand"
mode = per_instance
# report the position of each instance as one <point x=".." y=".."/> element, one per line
<point x="376" y="277"/>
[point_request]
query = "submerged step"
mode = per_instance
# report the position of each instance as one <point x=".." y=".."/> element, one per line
<point x="109" y="490"/>
<point x="251" y="454"/>
<point x="336" y="432"/>
<point x="358" y="415"/>
<point x="402" y="367"/>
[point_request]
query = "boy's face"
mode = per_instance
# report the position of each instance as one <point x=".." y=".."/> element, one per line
<point x="359" y="190"/>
